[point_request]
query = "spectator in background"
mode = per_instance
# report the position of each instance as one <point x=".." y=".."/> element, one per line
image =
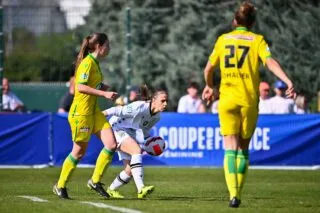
<point x="133" y="95"/>
<point x="11" y="103"/>
<point x="279" y="104"/>
<point x="264" y="106"/>
<point x="191" y="103"/>
<point x="300" y="106"/>
<point x="66" y="100"/>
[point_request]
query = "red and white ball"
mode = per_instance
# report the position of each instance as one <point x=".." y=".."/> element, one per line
<point x="155" y="146"/>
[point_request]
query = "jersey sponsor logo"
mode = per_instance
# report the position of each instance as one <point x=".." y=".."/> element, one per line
<point x="121" y="133"/>
<point x="84" y="76"/>
<point x="84" y="129"/>
<point x="241" y="37"/>
<point x="145" y="123"/>
<point x="129" y="109"/>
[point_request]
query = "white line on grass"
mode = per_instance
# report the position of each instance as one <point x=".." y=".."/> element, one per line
<point x="105" y="206"/>
<point x="35" y="199"/>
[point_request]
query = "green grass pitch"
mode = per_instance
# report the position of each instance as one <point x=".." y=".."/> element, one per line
<point x="177" y="190"/>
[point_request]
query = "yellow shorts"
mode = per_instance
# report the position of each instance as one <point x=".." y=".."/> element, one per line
<point x="82" y="126"/>
<point x="237" y="119"/>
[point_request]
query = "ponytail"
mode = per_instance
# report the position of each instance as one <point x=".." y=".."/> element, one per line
<point x="144" y="93"/>
<point x="84" y="51"/>
<point x="88" y="45"/>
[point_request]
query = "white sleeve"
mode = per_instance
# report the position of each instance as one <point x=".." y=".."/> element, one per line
<point x="182" y="106"/>
<point x="127" y="111"/>
<point x="14" y="102"/>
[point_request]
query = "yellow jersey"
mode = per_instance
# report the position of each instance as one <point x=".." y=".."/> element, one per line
<point x="239" y="53"/>
<point x="88" y="73"/>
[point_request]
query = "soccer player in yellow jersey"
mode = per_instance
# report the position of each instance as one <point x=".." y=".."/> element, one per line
<point x="85" y="117"/>
<point x="238" y="53"/>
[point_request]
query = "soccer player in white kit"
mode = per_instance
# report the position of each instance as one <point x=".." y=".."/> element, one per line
<point x="131" y="124"/>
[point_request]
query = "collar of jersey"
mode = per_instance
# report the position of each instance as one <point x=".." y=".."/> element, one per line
<point x="95" y="60"/>
<point x="242" y="28"/>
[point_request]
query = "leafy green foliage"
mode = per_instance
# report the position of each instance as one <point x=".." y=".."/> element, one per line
<point x="44" y="58"/>
<point x="173" y="39"/>
<point x="171" y="42"/>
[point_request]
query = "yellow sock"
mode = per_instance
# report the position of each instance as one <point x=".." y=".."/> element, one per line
<point x="69" y="164"/>
<point x="230" y="172"/>
<point x="103" y="161"/>
<point x="242" y="168"/>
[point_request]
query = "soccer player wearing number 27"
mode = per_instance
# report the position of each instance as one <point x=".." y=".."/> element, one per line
<point x="238" y="54"/>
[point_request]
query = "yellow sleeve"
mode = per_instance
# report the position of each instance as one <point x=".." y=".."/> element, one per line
<point x="214" y="57"/>
<point x="263" y="51"/>
<point x="83" y="72"/>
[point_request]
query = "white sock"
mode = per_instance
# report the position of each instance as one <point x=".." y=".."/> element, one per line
<point x="137" y="170"/>
<point x="120" y="180"/>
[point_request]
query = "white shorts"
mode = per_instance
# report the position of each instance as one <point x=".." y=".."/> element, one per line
<point x="122" y="135"/>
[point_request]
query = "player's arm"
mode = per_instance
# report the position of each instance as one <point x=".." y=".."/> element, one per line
<point x="82" y="80"/>
<point x="208" y="74"/>
<point x="276" y="69"/>
<point x="213" y="61"/>
<point x="82" y="88"/>
<point x="127" y="111"/>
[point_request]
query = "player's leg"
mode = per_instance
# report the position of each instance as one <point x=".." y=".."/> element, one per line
<point x="249" y="117"/>
<point x="229" y="118"/>
<point x="80" y="128"/>
<point x="122" y="178"/>
<point x="102" y="130"/>
<point x="130" y="146"/>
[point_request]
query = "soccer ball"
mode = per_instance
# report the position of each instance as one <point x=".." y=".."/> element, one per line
<point x="155" y="146"/>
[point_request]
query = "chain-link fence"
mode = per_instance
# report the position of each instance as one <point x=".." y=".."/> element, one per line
<point x="35" y="33"/>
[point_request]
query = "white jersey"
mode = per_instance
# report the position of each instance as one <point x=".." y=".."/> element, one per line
<point x="264" y="106"/>
<point x="281" y="105"/>
<point x="10" y="101"/>
<point x="135" y="119"/>
<point x="187" y="104"/>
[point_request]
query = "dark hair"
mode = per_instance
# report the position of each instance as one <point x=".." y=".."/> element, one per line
<point x="158" y="92"/>
<point x="145" y="92"/>
<point x="88" y="45"/>
<point x="193" y="84"/>
<point x="246" y="14"/>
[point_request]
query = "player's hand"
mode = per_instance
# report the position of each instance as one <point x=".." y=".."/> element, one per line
<point x="207" y="95"/>
<point x="290" y="92"/>
<point x="111" y="95"/>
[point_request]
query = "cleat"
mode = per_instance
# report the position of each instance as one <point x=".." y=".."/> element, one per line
<point x="114" y="194"/>
<point x="234" y="202"/>
<point x="98" y="187"/>
<point x="61" y="192"/>
<point x="145" y="191"/>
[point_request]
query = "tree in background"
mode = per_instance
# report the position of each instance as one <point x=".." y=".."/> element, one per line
<point x="43" y="58"/>
<point x="171" y="41"/>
